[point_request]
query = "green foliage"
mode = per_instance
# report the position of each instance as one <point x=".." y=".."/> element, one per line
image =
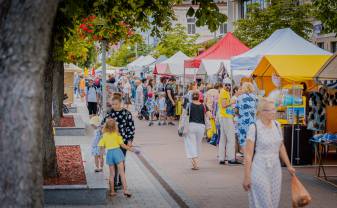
<point x="127" y="52"/>
<point x="176" y="40"/>
<point x="77" y="50"/>
<point x="261" y="23"/>
<point x="207" y="14"/>
<point x="326" y="12"/>
<point x="115" y="21"/>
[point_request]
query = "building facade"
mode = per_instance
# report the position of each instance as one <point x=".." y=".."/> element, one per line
<point x="189" y="22"/>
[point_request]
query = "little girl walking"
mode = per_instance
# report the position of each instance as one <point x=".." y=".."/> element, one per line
<point x="112" y="141"/>
<point x="95" y="149"/>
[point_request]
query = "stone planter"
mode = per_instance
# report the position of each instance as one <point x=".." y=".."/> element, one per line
<point x="78" y="130"/>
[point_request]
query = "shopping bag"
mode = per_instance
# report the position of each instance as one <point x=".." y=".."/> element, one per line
<point x="211" y="131"/>
<point x="184" y="122"/>
<point x="300" y="196"/>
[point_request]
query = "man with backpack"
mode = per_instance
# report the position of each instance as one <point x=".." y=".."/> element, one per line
<point x="91" y="98"/>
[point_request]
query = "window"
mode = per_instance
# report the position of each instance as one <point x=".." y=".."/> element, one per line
<point x="191" y="25"/>
<point x="223" y="28"/>
<point x="321" y="45"/>
<point x="334" y="47"/>
<point x="245" y="4"/>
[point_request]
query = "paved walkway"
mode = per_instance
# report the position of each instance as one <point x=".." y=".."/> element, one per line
<point x="147" y="192"/>
<point x="162" y="162"/>
<point x="213" y="185"/>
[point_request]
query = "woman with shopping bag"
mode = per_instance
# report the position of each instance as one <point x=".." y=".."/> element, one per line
<point x="192" y="127"/>
<point x="264" y="148"/>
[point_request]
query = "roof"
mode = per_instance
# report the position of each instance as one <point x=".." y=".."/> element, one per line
<point x="290" y="67"/>
<point x="328" y="70"/>
<point x="72" y="68"/>
<point x="173" y="65"/>
<point x="281" y="42"/>
<point x="224" y="49"/>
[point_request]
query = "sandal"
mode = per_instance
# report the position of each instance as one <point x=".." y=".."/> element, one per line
<point x="112" y="194"/>
<point x="128" y="195"/>
<point x="195" y="168"/>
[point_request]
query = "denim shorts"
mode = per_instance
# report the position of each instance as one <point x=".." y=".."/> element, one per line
<point x="114" y="156"/>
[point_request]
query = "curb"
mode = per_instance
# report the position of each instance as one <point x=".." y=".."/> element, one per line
<point x="170" y="187"/>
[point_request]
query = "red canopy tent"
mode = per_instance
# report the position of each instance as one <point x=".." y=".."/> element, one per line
<point x="225" y="48"/>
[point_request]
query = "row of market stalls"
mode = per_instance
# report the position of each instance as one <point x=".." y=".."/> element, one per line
<point x="299" y="75"/>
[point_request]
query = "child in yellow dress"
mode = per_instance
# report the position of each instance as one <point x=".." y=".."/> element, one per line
<point x="112" y="141"/>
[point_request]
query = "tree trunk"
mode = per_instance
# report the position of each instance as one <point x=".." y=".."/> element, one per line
<point x="49" y="150"/>
<point x="58" y="93"/>
<point x="25" y="28"/>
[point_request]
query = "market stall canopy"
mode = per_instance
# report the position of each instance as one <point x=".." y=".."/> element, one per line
<point x="141" y="63"/>
<point x="327" y="75"/>
<point x="131" y="65"/>
<point x="173" y="65"/>
<point x="281" y="42"/>
<point x="109" y="70"/>
<point x="224" y="49"/>
<point x="72" y="68"/>
<point x="152" y="66"/>
<point x="288" y="68"/>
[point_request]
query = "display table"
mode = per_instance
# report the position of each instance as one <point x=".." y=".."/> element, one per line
<point x="320" y="150"/>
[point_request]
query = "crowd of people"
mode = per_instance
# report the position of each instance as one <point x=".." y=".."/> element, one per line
<point x="244" y="127"/>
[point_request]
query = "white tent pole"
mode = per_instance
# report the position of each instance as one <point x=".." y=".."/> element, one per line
<point x="184" y="80"/>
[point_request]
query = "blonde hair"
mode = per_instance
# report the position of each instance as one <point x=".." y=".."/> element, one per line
<point x="263" y="101"/>
<point x="110" y="126"/>
<point x="248" y="87"/>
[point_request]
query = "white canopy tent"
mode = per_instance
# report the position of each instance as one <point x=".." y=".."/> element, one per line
<point x="138" y="66"/>
<point x="328" y="73"/>
<point x="281" y="42"/>
<point x="132" y="65"/>
<point x="213" y="69"/>
<point x="175" y="64"/>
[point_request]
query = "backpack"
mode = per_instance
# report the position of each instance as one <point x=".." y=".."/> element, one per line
<point x="95" y="88"/>
<point x="97" y="83"/>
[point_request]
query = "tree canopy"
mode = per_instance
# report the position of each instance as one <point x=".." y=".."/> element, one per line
<point x="176" y="40"/>
<point x="261" y="23"/>
<point x="326" y="12"/>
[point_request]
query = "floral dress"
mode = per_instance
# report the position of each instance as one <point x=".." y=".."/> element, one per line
<point x="266" y="175"/>
<point x="246" y="105"/>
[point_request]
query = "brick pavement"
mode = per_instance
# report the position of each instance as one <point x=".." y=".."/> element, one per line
<point x="213" y="185"/>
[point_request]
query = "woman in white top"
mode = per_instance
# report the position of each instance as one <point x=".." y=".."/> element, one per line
<point x="126" y="93"/>
<point x="263" y="176"/>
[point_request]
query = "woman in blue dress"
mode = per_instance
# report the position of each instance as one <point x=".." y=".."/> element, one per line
<point x="246" y="104"/>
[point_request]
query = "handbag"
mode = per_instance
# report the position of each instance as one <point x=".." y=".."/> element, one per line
<point x="184" y="122"/>
<point x="300" y="196"/>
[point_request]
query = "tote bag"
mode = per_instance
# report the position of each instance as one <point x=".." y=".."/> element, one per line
<point x="184" y="122"/>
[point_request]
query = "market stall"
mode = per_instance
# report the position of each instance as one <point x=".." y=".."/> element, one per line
<point x="281" y="42"/>
<point x="209" y="62"/>
<point x="325" y="140"/>
<point x="282" y="77"/>
<point x="139" y="66"/>
<point x="69" y="73"/>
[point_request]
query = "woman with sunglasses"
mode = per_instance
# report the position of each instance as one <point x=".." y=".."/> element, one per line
<point x="264" y="148"/>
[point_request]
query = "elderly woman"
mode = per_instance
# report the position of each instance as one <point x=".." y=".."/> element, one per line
<point x="264" y="148"/>
<point x="246" y="107"/>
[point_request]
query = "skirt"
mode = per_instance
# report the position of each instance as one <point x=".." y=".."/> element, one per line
<point x="114" y="156"/>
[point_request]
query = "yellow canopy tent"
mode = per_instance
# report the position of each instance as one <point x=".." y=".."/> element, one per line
<point x="290" y="69"/>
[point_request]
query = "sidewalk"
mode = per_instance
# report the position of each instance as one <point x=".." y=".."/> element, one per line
<point x="213" y="185"/>
<point x="146" y="190"/>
